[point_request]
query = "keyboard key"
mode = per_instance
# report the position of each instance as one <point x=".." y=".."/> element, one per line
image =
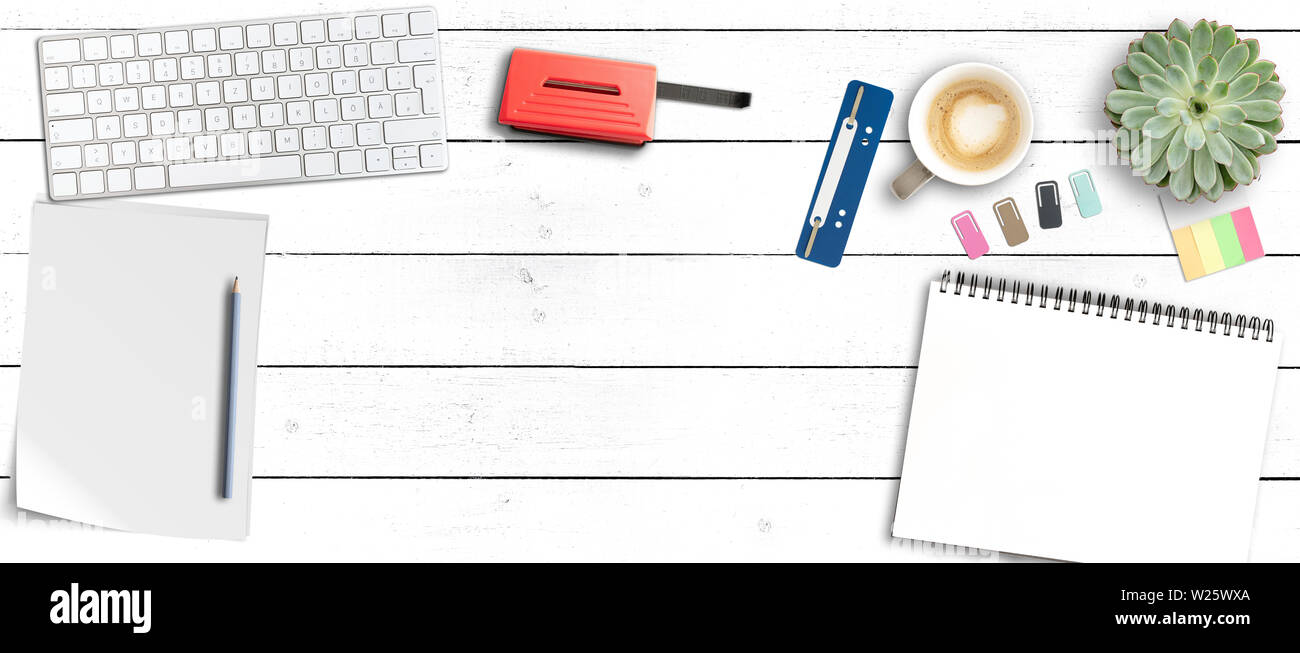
<point x="235" y="171"/>
<point x="108" y="128"/>
<point x="99" y="101"/>
<point x="377" y="160"/>
<point x="383" y="53"/>
<point x="151" y="151"/>
<point x="123" y="153"/>
<point x="126" y="99"/>
<point x="180" y="95"/>
<point x="399" y="78"/>
<point x="162" y="123"/>
<point x="367" y="27"/>
<point x="153" y="97"/>
<point x="244" y="117"/>
<point x="232" y="145"/>
<point x="423" y="22"/>
<point x="71" y="131"/>
<point x="313" y="31"/>
<point x="119" y="180"/>
<point x="286" y="140"/>
<point x="65" y="157"/>
<point x="189" y="121"/>
<point x="63" y="184"/>
<point x="110" y="74"/>
<point x="340" y="29"/>
<point x="329" y="57"/>
<point x="205" y="146"/>
<point x="407" y="104"/>
<point x="95" y="155"/>
<point x="274" y="61"/>
<point x="122" y="46"/>
<point x="63" y="51"/>
<point x="65" y="104"/>
<point x="149" y="44"/>
<point x="342" y="136"/>
<point x="259" y="36"/>
<point x="232" y="38"/>
<point x="351" y="162"/>
<point x="192" y="67"/>
<point x="412" y="50"/>
<point x="412" y="131"/>
<point x="164" y="70"/>
<point x="83" y="76"/>
<point x="178" y="149"/>
<point x="260" y="142"/>
<point x="94" y="48"/>
<point x="92" y="182"/>
<point x="369" y="133"/>
<point x="319" y="164"/>
<point x="220" y="65"/>
<point x="135" y="125"/>
<point x="356" y="54"/>
<point x="204" y="40"/>
<point x="406" y="163"/>
<point x="394" y="24"/>
<point x="149" y="178"/>
<point x="246" y="63"/>
<point x="286" y="33"/>
<point x="137" y="72"/>
<point x="177" y="42"/>
<point x="56" y="78"/>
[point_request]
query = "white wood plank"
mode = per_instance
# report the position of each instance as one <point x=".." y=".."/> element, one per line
<point x="798" y="83"/>
<point x="689" y="198"/>
<point x="336" y="520"/>
<point x="692" y="310"/>
<point x="599" y="422"/>
<point x="679" y="14"/>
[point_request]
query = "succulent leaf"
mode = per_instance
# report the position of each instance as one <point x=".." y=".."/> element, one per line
<point x="1267" y="91"/>
<point x="1157" y="172"/>
<point x="1149" y="151"/>
<point x="1160" y="126"/>
<point x="1179" y="81"/>
<point x="1156" y="45"/>
<point x="1194" y="136"/>
<point x="1179" y="30"/>
<point x="1245" y="135"/>
<point x="1202" y="39"/>
<point x="1207" y="69"/>
<point x="1232" y="62"/>
<point x="1218" y="93"/>
<point x="1273" y="127"/>
<point x="1224" y="38"/>
<point x="1157" y="86"/>
<point x="1261" y="110"/>
<point x="1180" y="55"/>
<point x="1240" y="169"/>
<point x="1253" y="45"/>
<point x="1264" y="69"/>
<point x="1170" y="106"/>
<point x="1229" y="114"/>
<point x="1178" y="153"/>
<point x="1242" y="86"/>
<point x="1216" y="191"/>
<point x="1182" y="183"/>
<point x="1121" y="100"/>
<point x="1137" y="116"/>
<point x="1124" y="78"/>
<point x="1203" y="168"/>
<point x="1219" y="148"/>
<point x="1141" y="64"/>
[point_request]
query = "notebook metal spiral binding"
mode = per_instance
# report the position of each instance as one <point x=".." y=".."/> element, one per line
<point x="1168" y="314"/>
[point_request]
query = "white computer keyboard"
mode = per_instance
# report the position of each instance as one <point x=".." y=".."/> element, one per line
<point x="245" y="102"/>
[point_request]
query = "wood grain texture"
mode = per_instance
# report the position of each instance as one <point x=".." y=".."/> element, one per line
<point x="679" y="198"/>
<point x="578" y="520"/>
<point x="658" y="310"/>
<point x="682" y="14"/>
<point x="509" y="422"/>
<point x="813" y="70"/>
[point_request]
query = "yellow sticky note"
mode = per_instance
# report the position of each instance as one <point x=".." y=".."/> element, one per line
<point x="1208" y="246"/>
<point x="1188" y="256"/>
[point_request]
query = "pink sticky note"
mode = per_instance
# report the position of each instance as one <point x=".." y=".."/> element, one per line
<point x="972" y="239"/>
<point x="1247" y="234"/>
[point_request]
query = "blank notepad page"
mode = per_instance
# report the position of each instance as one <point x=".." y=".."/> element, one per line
<point x="1040" y="431"/>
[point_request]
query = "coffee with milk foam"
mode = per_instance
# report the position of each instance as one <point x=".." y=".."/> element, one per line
<point x="974" y="124"/>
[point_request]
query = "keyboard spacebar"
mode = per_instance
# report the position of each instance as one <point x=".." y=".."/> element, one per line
<point x="234" y="171"/>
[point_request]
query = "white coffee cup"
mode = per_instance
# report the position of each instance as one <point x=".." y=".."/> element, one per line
<point x="929" y="164"/>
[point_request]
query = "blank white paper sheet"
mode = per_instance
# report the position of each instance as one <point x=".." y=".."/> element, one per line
<point x="1081" y="437"/>
<point x="122" y="392"/>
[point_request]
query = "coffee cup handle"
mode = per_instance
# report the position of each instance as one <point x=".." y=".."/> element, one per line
<point x="911" y="180"/>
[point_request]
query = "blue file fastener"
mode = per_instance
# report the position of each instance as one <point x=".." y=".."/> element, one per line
<point x="858" y="128"/>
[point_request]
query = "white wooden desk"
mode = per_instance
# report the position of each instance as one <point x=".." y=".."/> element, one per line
<point x="566" y="350"/>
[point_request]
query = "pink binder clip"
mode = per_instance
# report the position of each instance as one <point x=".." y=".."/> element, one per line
<point x="972" y="239"/>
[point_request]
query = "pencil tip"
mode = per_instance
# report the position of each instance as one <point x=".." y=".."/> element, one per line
<point x="236" y="286"/>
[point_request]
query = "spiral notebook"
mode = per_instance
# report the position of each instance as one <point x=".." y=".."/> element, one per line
<point x="1084" y="426"/>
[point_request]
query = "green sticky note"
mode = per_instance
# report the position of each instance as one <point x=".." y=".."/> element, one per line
<point x="1226" y="233"/>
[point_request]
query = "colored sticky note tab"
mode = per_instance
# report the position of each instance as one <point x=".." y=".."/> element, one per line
<point x="1207" y="246"/>
<point x="1247" y="234"/>
<point x="1185" y="245"/>
<point x="1226" y="234"/>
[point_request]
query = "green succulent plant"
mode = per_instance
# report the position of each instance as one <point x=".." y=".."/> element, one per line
<point x="1195" y="108"/>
